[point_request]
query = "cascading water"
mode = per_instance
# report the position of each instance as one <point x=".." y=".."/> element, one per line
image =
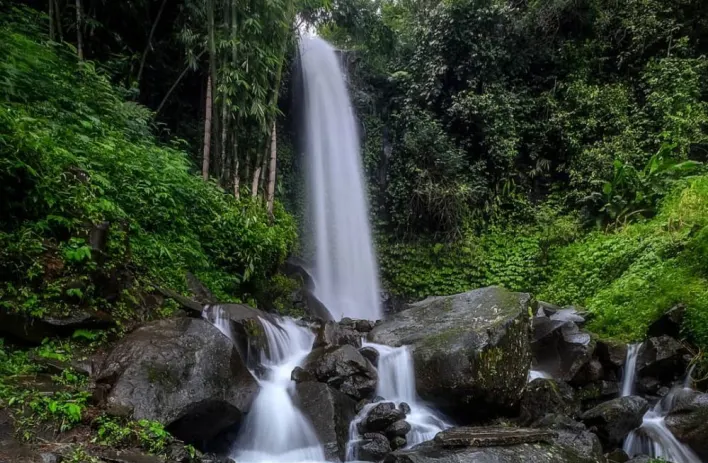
<point x="345" y="275"/>
<point x="630" y="367"/>
<point x="653" y="437"/>
<point x="275" y="430"/>
<point x="397" y="384"/>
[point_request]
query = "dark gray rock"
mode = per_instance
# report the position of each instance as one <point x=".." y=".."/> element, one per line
<point x="668" y="324"/>
<point x="611" y="354"/>
<point x="688" y="421"/>
<point x="491" y="436"/>
<point x="663" y="358"/>
<point x="592" y="395"/>
<point x="373" y="447"/>
<point x="330" y="412"/>
<point x="591" y="372"/>
<point x="343" y="368"/>
<point x="333" y="334"/>
<point x="561" y="348"/>
<point x="572" y="434"/>
<point x="614" y="419"/>
<point x="546" y="309"/>
<point x="405" y="408"/>
<point x="569" y="314"/>
<point x="470" y="351"/>
<point x="370" y="354"/>
<point x="398" y="429"/>
<point x="543" y="396"/>
<point x="182" y="372"/>
<point x="398" y="442"/>
<point x="380" y="417"/>
<point x="430" y="452"/>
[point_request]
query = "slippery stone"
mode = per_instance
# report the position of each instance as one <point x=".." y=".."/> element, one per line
<point x="370" y="354"/>
<point x="330" y="412"/>
<point x="561" y="348"/>
<point x="398" y="429"/>
<point x="182" y="372"/>
<point x="614" y="419"/>
<point x="491" y="436"/>
<point x="333" y="334"/>
<point x="343" y="368"/>
<point x="470" y="351"/>
<point x="544" y="396"/>
<point x="380" y="417"/>
<point x="689" y="423"/>
<point x="572" y="434"/>
<point x="373" y="447"/>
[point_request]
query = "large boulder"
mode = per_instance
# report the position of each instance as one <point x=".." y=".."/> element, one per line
<point x="330" y="412"/>
<point x="560" y="347"/>
<point x="570" y="433"/>
<point x="372" y="447"/>
<point x="614" y="419"/>
<point x="544" y="396"/>
<point x="490" y="445"/>
<point x="181" y="372"/>
<point x="471" y="351"/>
<point x="343" y="368"/>
<point x="689" y="423"/>
<point x="661" y="358"/>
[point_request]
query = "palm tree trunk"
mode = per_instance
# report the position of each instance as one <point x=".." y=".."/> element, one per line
<point x="207" y="132"/>
<point x="270" y="198"/>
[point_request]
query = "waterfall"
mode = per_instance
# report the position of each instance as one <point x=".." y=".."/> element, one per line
<point x="653" y="438"/>
<point x="397" y="384"/>
<point x="215" y="315"/>
<point x="275" y="430"/>
<point x="630" y="369"/>
<point x="345" y="274"/>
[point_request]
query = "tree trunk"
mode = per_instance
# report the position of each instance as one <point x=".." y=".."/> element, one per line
<point x="148" y="46"/>
<point x="57" y="12"/>
<point x="222" y="159"/>
<point x="257" y="173"/>
<point x="213" y="70"/>
<point x="207" y="132"/>
<point x="270" y="198"/>
<point x="79" y="26"/>
<point x="237" y="179"/>
<point x="51" y="20"/>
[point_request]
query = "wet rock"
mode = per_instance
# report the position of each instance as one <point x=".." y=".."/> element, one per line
<point x="398" y="442"/>
<point x="491" y="436"/>
<point x="688" y="421"/>
<point x="543" y="396"/>
<point x="330" y="412"/>
<point x="371" y="354"/>
<point x="546" y="309"/>
<point x="572" y="434"/>
<point x="561" y="348"/>
<point x="398" y="429"/>
<point x="668" y="324"/>
<point x="430" y="452"/>
<point x="471" y="351"/>
<point x="592" y="395"/>
<point x="405" y="408"/>
<point x="663" y="358"/>
<point x="614" y="419"/>
<point x="343" y="368"/>
<point x="591" y="372"/>
<point x="611" y="354"/>
<point x="300" y="375"/>
<point x="617" y="456"/>
<point x="380" y="417"/>
<point x="364" y="326"/>
<point x="569" y="314"/>
<point x="333" y="334"/>
<point x="181" y="372"/>
<point x="373" y="447"/>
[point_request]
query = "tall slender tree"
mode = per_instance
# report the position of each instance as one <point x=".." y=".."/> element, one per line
<point x="207" y="131"/>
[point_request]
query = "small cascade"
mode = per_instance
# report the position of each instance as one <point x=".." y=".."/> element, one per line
<point x="536" y="374"/>
<point x="397" y="384"/>
<point x="653" y="438"/>
<point x="215" y="315"/>
<point x="275" y="430"/>
<point x="630" y="369"/>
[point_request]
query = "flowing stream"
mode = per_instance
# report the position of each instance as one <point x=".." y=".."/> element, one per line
<point x="397" y="384"/>
<point x="346" y="279"/>
<point x="275" y="430"/>
<point x="653" y="438"/>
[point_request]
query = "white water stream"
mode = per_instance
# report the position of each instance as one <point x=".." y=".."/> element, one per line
<point x="397" y="384"/>
<point x="346" y="279"/>
<point x="275" y="430"/>
<point x="653" y="438"/>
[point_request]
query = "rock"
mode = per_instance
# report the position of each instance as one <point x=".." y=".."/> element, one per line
<point x="591" y="372"/>
<point x="370" y="354"/>
<point x="129" y="456"/>
<point x="343" y="368"/>
<point x="561" y="348"/>
<point x="182" y="372"/>
<point x="688" y="422"/>
<point x="616" y="418"/>
<point x="663" y="358"/>
<point x="35" y="330"/>
<point x="380" y="417"/>
<point x="430" y="452"/>
<point x="398" y="429"/>
<point x="546" y="309"/>
<point x="299" y="375"/>
<point x="330" y="412"/>
<point x="364" y="326"/>
<point x="470" y="351"/>
<point x="405" y="408"/>
<point x="611" y="354"/>
<point x="373" y="447"/>
<point x="333" y="334"/>
<point x="392" y="304"/>
<point x="668" y="324"/>
<point x="572" y="434"/>
<point x="543" y="396"/>
<point x="398" y="442"/>
<point x="593" y="394"/>
<point x="570" y="314"/>
<point x="491" y="436"/>
<point x="617" y="456"/>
